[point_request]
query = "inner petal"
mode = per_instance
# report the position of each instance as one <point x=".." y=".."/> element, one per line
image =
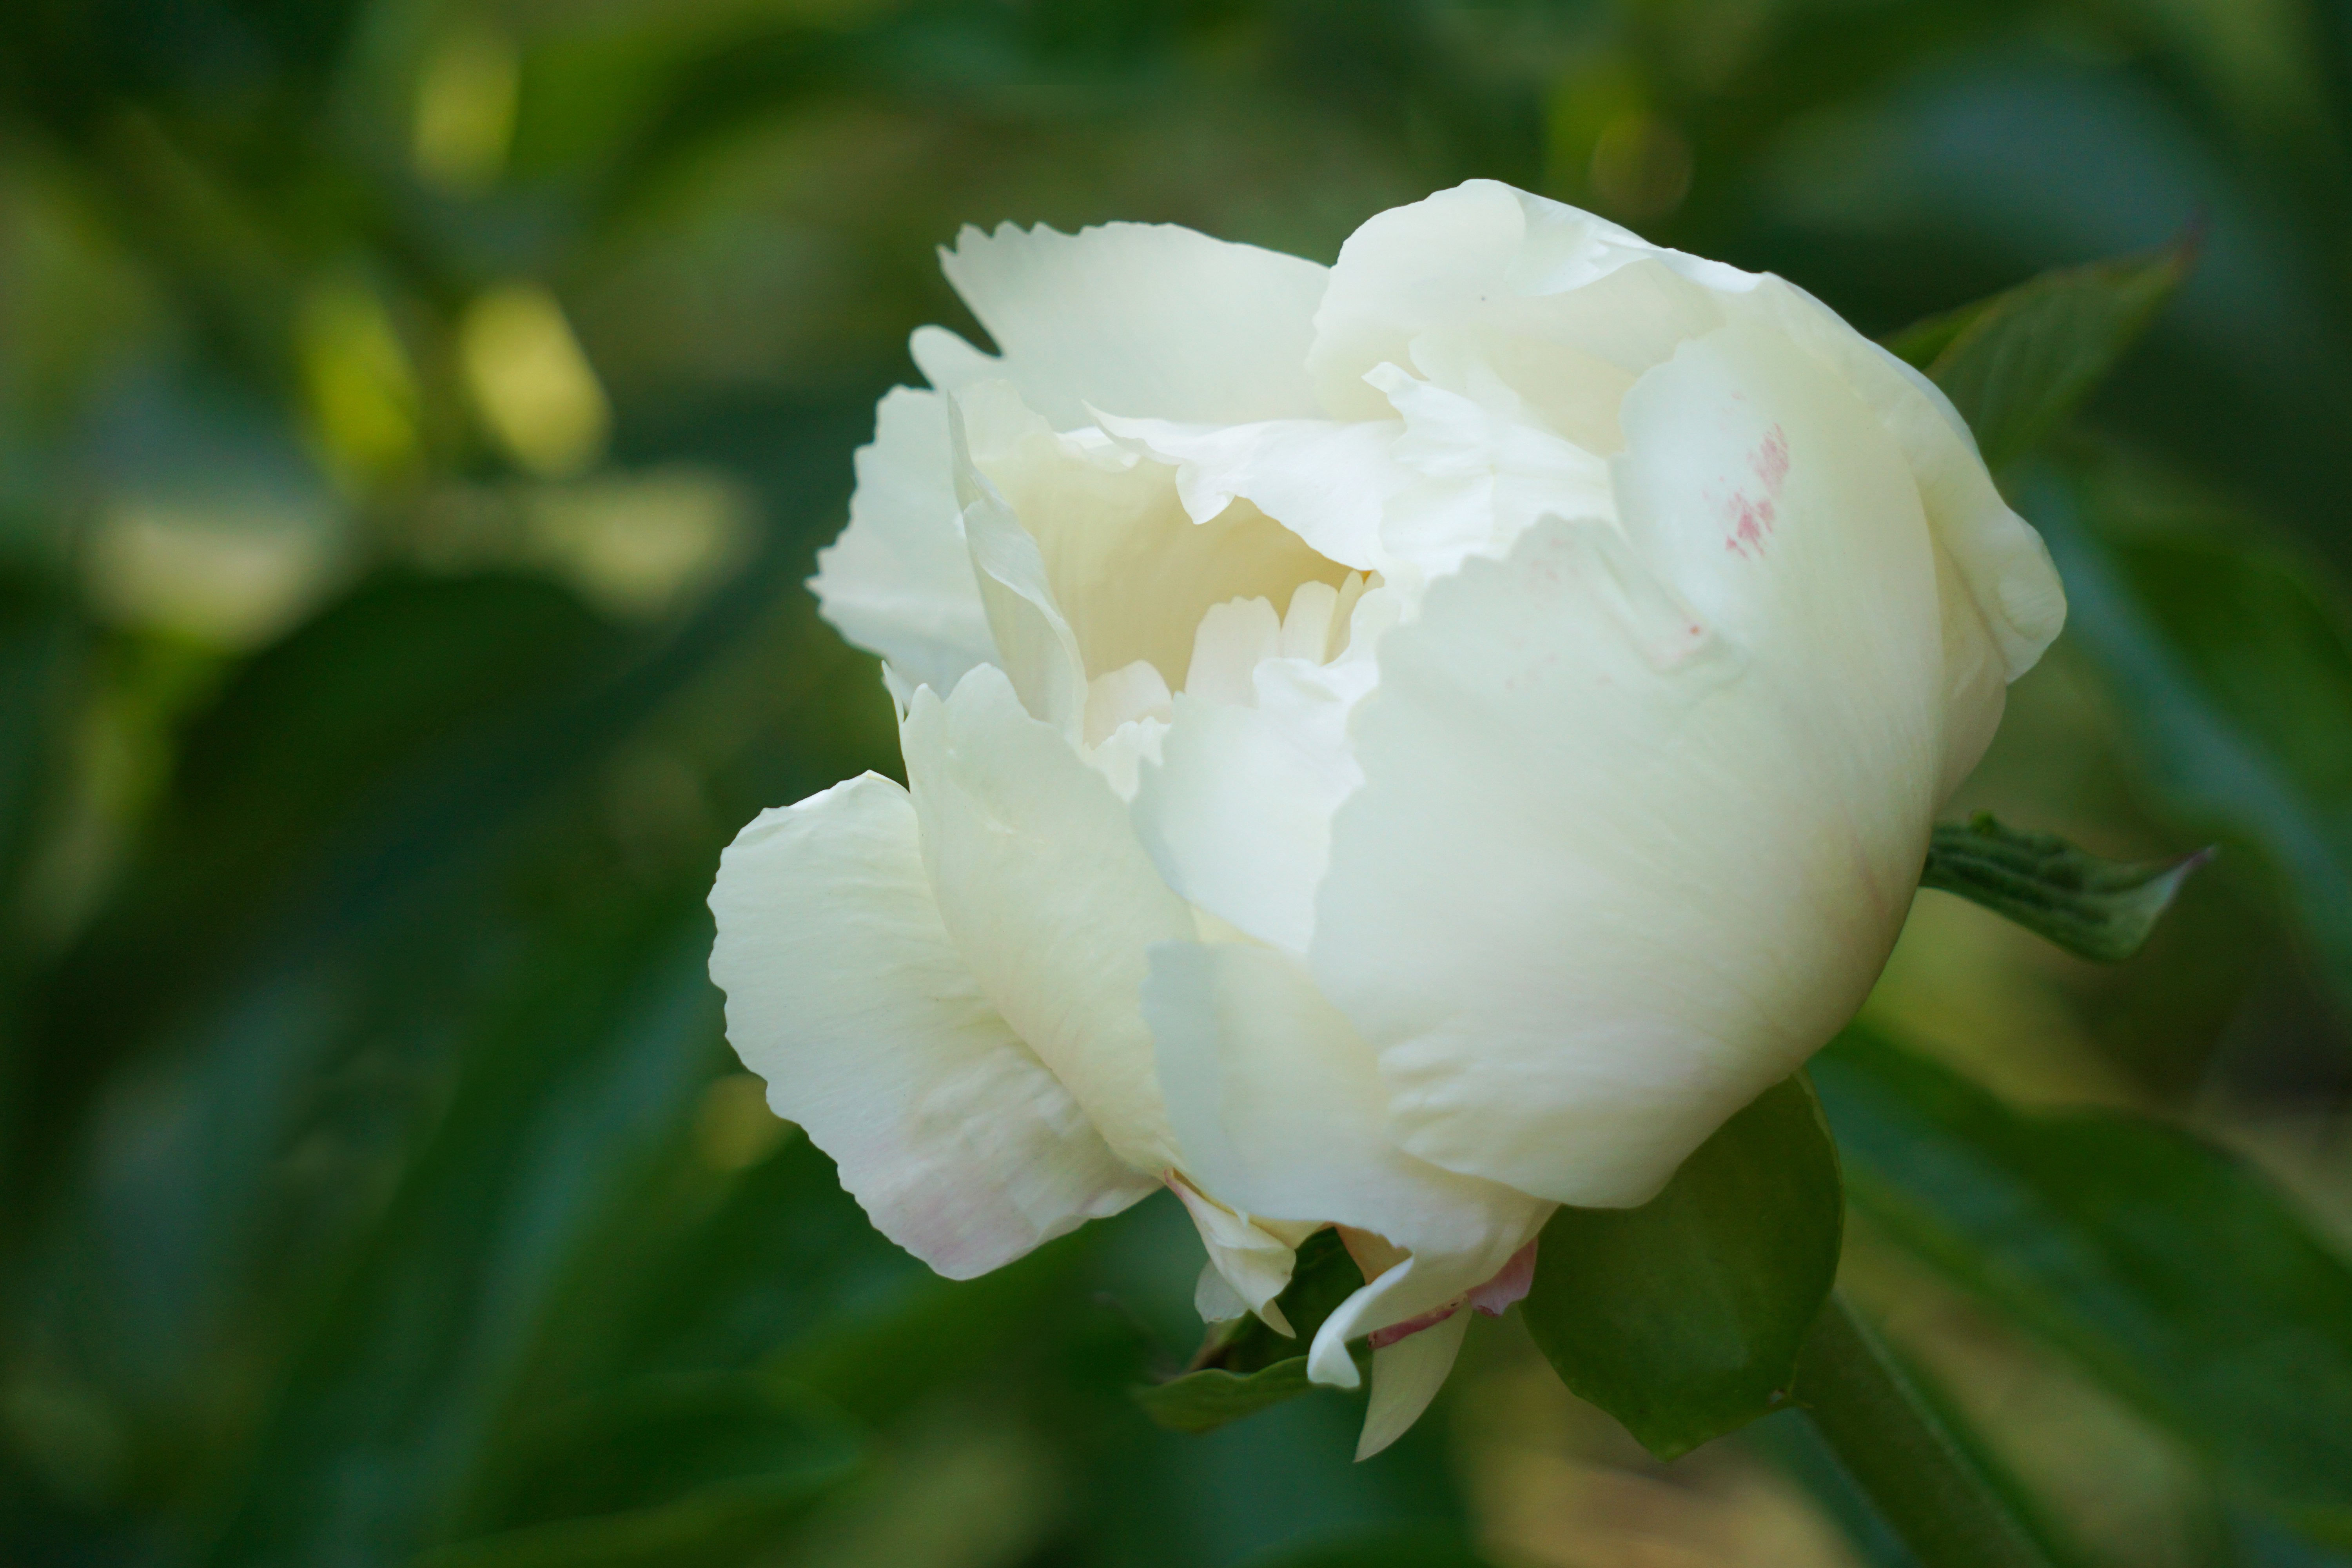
<point x="1131" y="571"/>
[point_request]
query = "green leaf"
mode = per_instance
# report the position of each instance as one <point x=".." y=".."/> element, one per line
<point x="683" y="1470"/>
<point x="2094" y="909"/>
<point x="1386" y="1546"/>
<point x="2169" y="1271"/>
<point x="2230" y="660"/>
<point x="571" y="1087"/>
<point x="1683" y="1318"/>
<point x="1205" y="1400"/>
<point x="1244" y="1367"/>
<point x="2019" y="364"/>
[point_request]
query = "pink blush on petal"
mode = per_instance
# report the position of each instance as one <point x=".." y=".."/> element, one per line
<point x="1511" y="1283"/>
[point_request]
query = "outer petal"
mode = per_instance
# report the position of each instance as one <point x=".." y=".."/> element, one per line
<point x="898" y="581"/>
<point x="1045" y="890"/>
<point x="1626" y="853"/>
<point x="844" y="992"/>
<point x="1566" y="306"/>
<point x="1406" y="1376"/>
<point x="1283" y="1113"/>
<point x="1148" y="320"/>
<point x="2002" y="565"/>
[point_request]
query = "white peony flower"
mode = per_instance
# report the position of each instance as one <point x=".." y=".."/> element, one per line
<point x="1401" y="746"/>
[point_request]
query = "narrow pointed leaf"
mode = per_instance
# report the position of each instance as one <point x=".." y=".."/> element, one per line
<point x="2229" y="659"/>
<point x="2019" y="364"/>
<point x="2167" y="1270"/>
<point x="2094" y="909"/>
<point x="1683" y="1318"/>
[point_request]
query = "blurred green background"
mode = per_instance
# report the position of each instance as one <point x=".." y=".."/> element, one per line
<point x="417" y="421"/>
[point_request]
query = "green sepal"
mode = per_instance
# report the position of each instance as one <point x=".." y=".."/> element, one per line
<point x="2094" y="909"/>
<point x="1683" y="1318"/>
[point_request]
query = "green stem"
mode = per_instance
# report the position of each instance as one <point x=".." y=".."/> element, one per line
<point x="1899" y="1454"/>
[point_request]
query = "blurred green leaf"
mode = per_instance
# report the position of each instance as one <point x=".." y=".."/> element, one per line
<point x="290" y="790"/>
<point x="1790" y="1442"/>
<point x="1683" y="1318"/>
<point x="42" y="646"/>
<point x="1205" y="1400"/>
<point x="1389" y="1546"/>
<point x="585" y="1070"/>
<point x="2169" y="1271"/>
<point x="2230" y="662"/>
<point x="2017" y="364"/>
<point x="2094" y="909"/>
<point x="1244" y="1366"/>
<point x="694" y="1471"/>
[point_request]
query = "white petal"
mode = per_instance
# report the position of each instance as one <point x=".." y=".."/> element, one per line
<point x="1636" y="835"/>
<point x="1036" y="645"/>
<point x="1237" y="814"/>
<point x="1146" y="320"/>
<point x="1131" y="692"/>
<point x="844" y="992"/>
<point x="1111" y="552"/>
<point x="1282" y="1114"/>
<point x="1487" y="469"/>
<point x="1045" y="890"/>
<point x="1566" y="306"/>
<point x="1254" y="1263"/>
<point x="1326" y="482"/>
<point x="1214" y="1298"/>
<point x="1406" y="1376"/>
<point x="899" y="580"/>
<point x="2001" y="563"/>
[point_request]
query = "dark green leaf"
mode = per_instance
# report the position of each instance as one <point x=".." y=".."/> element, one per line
<point x="2017" y="364"/>
<point x="2231" y="664"/>
<point x="1205" y="1400"/>
<point x="1244" y="1366"/>
<point x="581" y="1077"/>
<point x="2096" y="909"/>
<point x="1683" y="1318"/>
<point x="1388" y="1546"/>
<point x="1792" y="1444"/>
<point x="2168" y="1269"/>
<point x="688" y="1470"/>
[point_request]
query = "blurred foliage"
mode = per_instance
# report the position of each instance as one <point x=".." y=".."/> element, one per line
<point x="415" y="418"/>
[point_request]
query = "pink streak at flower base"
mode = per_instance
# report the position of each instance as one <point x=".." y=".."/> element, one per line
<point x="1511" y="1283"/>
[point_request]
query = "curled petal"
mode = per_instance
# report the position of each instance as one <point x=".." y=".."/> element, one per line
<point x="1405" y="1378"/>
<point x="844" y="992"/>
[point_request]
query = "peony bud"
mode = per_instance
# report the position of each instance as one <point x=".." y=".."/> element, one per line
<point x="1401" y="746"/>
